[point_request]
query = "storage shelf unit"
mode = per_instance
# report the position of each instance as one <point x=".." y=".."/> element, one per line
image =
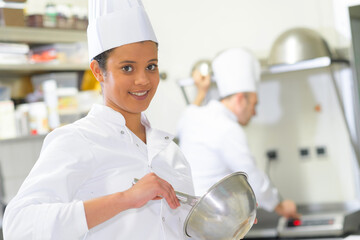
<point x="32" y="35"/>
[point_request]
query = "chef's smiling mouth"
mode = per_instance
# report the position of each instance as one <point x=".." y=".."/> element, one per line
<point x="139" y="93"/>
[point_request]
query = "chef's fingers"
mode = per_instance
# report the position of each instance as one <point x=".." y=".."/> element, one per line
<point x="162" y="189"/>
<point x="157" y="198"/>
<point x="170" y="195"/>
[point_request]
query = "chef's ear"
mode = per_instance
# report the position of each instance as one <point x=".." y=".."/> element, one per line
<point x="97" y="71"/>
<point x="241" y="98"/>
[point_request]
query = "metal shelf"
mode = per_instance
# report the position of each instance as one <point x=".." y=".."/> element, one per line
<point x="41" y="35"/>
<point x="27" y="69"/>
<point x="24" y="138"/>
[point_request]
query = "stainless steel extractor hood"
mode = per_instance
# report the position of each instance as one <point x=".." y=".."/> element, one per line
<point x="299" y="49"/>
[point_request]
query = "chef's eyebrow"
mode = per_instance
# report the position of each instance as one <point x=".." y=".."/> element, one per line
<point x="128" y="61"/>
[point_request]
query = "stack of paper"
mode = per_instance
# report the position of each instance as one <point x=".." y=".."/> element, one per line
<point x="13" y="53"/>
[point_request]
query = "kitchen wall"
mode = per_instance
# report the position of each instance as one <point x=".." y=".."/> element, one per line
<point x="300" y="111"/>
<point x="191" y="30"/>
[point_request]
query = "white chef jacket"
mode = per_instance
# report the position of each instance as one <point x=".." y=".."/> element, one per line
<point x="96" y="156"/>
<point x="215" y="145"/>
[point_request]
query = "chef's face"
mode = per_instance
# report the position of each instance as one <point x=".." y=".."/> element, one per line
<point x="131" y="77"/>
<point x="247" y="108"/>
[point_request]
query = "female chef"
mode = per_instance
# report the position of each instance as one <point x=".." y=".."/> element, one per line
<point x="81" y="187"/>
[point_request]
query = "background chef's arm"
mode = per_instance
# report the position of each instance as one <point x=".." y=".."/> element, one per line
<point x="202" y="84"/>
<point x="237" y="157"/>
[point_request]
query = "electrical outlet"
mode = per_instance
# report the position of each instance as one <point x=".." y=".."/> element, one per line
<point x="304" y="153"/>
<point x="272" y="155"/>
<point x="321" y="151"/>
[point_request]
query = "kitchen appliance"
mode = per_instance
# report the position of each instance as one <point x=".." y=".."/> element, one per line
<point x="226" y="211"/>
<point x="331" y="220"/>
<point x="320" y="220"/>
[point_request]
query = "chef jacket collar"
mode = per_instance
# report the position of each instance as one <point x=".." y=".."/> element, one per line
<point x="107" y="113"/>
<point x="115" y="117"/>
<point x="218" y="105"/>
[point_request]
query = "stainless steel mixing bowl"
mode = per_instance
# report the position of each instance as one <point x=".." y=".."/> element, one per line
<point x="227" y="211"/>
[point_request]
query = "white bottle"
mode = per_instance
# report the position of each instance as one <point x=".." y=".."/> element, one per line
<point x="51" y="101"/>
<point x="22" y="119"/>
<point x="7" y="120"/>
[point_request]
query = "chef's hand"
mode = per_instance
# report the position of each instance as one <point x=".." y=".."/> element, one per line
<point x="202" y="84"/>
<point x="152" y="187"/>
<point x="287" y="208"/>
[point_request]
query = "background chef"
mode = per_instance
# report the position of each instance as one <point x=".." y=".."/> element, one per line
<point x="81" y="185"/>
<point x="212" y="137"/>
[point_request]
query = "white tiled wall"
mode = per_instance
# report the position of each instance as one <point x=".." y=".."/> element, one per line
<point x="17" y="157"/>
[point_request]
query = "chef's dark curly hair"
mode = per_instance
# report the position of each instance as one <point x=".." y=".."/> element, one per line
<point x="102" y="59"/>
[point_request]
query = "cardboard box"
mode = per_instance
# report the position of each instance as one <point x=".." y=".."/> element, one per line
<point x="12" y="17"/>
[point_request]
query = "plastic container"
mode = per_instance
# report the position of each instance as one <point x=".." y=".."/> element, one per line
<point x="68" y="105"/>
<point x="63" y="79"/>
<point x="38" y="118"/>
<point x="50" y="16"/>
<point x="5" y="93"/>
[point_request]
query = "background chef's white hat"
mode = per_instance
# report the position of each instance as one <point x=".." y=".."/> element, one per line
<point x="236" y="70"/>
<point x="114" y="23"/>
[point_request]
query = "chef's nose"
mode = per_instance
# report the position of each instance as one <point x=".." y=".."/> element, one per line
<point x="142" y="78"/>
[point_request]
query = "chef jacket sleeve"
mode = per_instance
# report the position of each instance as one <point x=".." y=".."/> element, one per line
<point x="44" y="207"/>
<point x="236" y="154"/>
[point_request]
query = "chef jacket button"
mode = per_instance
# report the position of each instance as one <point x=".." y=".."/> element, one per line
<point x="167" y="138"/>
<point x="137" y="145"/>
<point x="122" y="132"/>
<point x="163" y="219"/>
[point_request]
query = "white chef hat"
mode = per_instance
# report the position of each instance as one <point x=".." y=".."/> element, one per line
<point x="236" y="70"/>
<point x="113" y="23"/>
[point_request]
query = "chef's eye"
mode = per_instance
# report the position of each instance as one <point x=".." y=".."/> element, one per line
<point x="127" y="68"/>
<point x="152" y="67"/>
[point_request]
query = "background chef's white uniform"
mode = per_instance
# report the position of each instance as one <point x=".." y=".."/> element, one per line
<point x="96" y="156"/>
<point x="213" y="141"/>
<point x="215" y="145"/>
